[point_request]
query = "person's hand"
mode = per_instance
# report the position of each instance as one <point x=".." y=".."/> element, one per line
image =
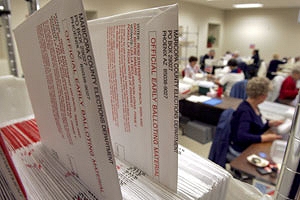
<point x="210" y="77"/>
<point x="275" y="123"/>
<point x="270" y="137"/>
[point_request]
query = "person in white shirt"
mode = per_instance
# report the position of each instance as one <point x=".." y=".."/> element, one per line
<point x="227" y="56"/>
<point x="236" y="56"/>
<point x="229" y="79"/>
<point x="192" y="68"/>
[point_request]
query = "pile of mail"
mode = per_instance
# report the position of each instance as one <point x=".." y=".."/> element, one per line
<point x="40" y="173"/>
<point x="199" y="178"/>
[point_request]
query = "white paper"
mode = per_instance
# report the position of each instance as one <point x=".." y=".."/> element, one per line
<point x="184" y="88"/>
<point x="206" y="84"/>
<point x="276" y="111"/>
<point x="62" y="81"/>
<point x="198" y="99"/>
<point x="199" y="178"/>
<point x="137" y="59"/>
<point x="10" y="177"/>
<point x="136" y="185"/>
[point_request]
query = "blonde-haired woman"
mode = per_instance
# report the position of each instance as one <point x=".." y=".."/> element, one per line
<point x="247" y="126"/>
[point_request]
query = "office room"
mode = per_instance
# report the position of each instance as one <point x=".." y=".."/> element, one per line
<point x="192" y="105"/>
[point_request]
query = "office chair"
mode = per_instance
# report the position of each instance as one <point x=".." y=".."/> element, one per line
<point x="238" y="90"/>
<point x="219" y="149"/>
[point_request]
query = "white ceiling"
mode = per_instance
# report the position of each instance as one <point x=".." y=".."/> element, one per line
<point x="227" y="4"/>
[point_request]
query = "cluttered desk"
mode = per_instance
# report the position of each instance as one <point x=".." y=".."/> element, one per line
<point x="242" y="164"/>
<point x="262" y="161"/>
<point x="208" y="111"/>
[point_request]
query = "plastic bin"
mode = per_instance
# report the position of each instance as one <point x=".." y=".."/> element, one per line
<point x="277" y="151"/>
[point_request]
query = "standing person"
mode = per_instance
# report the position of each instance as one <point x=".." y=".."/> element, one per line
<point x="273" y="66"/>
<point x="297" y="60"/>
<point x="255" y="57"/>
<point x="191" y="67"/>
<point x="289" y="91"/>
<point x="210" y="55"/>
<point x="247" y="126"/>
<point x="229" y="79"/>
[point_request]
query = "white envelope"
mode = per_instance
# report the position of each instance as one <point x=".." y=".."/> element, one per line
<point x="137" y="61"/>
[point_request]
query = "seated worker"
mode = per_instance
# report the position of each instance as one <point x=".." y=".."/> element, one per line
<point x="273" y="66"/>
<point x="227" y="55"/>
<point x="229" y="79"/>
<point x="210" y="55"/>
<point x="247" y="126"/>
<point x="237" y="57"/>
<point x="192" y="68"/>
<point x="289" y="91"/>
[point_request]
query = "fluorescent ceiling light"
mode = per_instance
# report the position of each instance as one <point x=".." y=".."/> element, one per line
<point x="248" y="5"/>
<point x="1" y="7"/>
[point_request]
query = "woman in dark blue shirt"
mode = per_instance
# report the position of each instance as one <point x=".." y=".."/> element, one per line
<point x="273" y="66"/>
<point x="247" y="126"/>
<point x="255" y="57"/>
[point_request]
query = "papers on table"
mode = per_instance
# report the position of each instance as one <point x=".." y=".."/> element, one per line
<point x="206" y="84"/>
<point x="184" y="88"/>
<point x="276" y="111"/>
<point x="199" y="75"/>
<point x="213" y="101"/>
<point x="204" y="99"/>
<point x="198" y="99"/>
<point x="189" y="81"/>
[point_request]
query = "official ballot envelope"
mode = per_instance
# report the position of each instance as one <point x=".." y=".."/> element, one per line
<point x="137" y="62"/>
<point x="62" y="80"/>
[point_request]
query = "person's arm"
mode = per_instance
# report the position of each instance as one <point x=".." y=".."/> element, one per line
<point x="222" y="81"/>
<point x="275" y="123"/>
<point x="282" y="62"/>
<point x="269" y="137"/>
<point x="271" y="123"/>
<point x="244" y="134"/>
<point x="202" y="62"/>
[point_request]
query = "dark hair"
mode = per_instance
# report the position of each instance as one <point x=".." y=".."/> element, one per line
<point x="232" y="63"/>
<point x="193" y="58"/>
<point x="256" y="51"/>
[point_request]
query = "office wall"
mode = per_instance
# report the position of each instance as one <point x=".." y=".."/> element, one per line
<point x="193" y="16"/>
<point x="271" y="30"/>
<point x="102" y="7"/>
<point x="196" y="18"/>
